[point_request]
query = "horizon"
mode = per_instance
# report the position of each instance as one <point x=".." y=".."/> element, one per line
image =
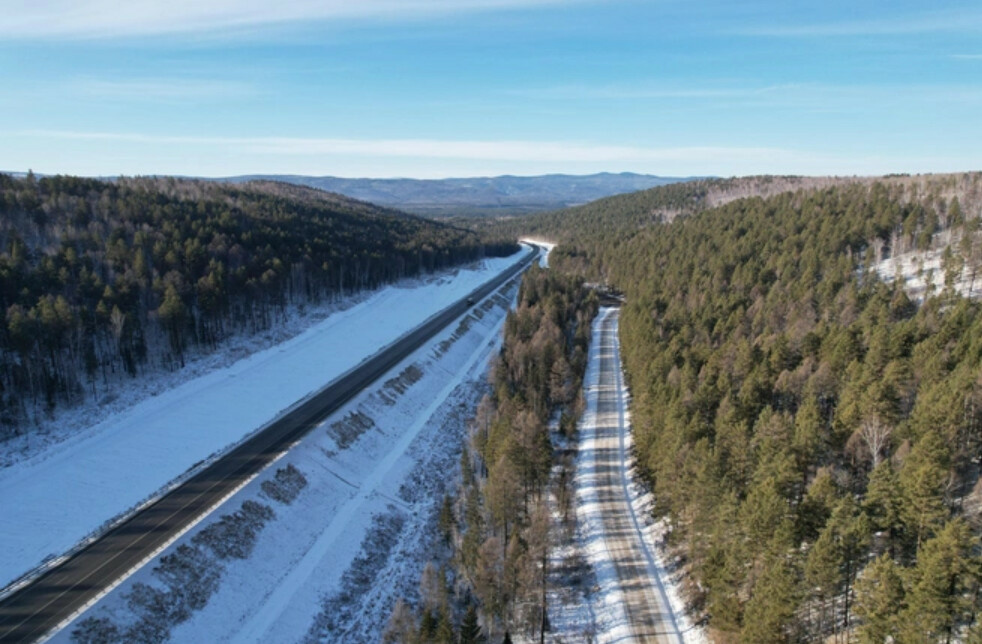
<point x="264" y="175"/>
<point x="260" y="176"/>
<point x="486" y="88"/>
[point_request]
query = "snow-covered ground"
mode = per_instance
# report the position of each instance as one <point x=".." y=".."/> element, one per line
<point x="548" y="246"/>
<point x="598" y="613"/>
<point x="330" y="563"/>
<point x="59" y="493"/>
<point x="919" y="270"/>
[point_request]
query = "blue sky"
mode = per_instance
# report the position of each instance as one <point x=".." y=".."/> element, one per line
<point x="438" y="88"/>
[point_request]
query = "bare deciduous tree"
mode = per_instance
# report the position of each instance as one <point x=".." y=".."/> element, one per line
<point x="876" y="436"/>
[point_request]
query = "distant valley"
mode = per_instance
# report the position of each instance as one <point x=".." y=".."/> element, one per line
<point x="479" y="196"/>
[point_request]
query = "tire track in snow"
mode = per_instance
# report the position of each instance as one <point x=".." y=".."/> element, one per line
<point x="647" y="610"/>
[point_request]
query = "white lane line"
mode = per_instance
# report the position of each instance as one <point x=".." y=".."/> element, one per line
<point x="143" y="562"/>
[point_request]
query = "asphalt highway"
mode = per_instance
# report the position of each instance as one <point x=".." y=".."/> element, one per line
<point x="34" y="610"/>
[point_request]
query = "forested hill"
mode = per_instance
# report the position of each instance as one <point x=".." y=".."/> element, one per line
<point x="99" y="279"/>
<point x="813" y="434"/>
<point x="633" y="210"/>
<point x="600" y="225"/>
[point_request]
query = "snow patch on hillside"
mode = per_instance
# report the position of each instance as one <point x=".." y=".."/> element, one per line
<point x="60" y="493"/>
<point x="923" y="272"/>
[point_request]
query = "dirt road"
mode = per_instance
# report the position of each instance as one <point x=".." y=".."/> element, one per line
<point x="648" y="610"/>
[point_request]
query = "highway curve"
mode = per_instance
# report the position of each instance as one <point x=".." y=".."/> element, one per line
<point x="31" y="612"/>
<point x="648" y="611"/>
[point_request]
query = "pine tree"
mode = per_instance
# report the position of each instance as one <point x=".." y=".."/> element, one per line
<point x="922" y="481"/>
<point x="942" y="584"/>
<point x="809" y="438"/>
<point x="173" y="314"/>
<point x="444" y="627"/>
<point x="853" y="534"/>
<point x="447" y="521"/>
<point x="884" y="502"/>
<point x="770" y="612"/>
<point x="427" y="626"/>
<point x="401" y="628"/>
<point x="820" y="499"/>
<point x="474" y="536"/>
<point x="823" y="574"/>
<point x="722" y="572"/>
<point x="470" y="630"/>
<point x="879" y="598"/>
<point x="955" y="214"/>
<point x="466" y="468"/>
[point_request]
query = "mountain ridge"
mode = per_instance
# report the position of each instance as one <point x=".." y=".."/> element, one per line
<point x="476" y="196"/>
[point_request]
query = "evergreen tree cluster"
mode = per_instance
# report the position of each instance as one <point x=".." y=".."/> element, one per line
<point x="498" y="526"/>
<point x="589" y="235"/>
<point x="813" y="434"/>
<point x="101" y="280"/>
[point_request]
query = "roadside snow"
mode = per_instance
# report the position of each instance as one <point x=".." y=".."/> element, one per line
<point x="332" y="561"/>
<point x="56" y="497"/>
<point x="548" y="246"/>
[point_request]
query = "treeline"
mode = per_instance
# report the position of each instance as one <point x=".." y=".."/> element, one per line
<point x="498" y="526"/>
<point x="104" y="280"/>
<point x="813" y="435"/>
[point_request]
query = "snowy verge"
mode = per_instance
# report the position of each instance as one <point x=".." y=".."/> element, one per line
<point x="56" y="497"/>
<point x="548" y="246"/>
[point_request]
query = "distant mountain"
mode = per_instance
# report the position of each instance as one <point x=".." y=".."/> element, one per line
<point x="479" y="196"/>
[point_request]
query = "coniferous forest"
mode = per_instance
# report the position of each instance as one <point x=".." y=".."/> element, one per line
<point x="812" y="431"/>
<point x="495" y="530"/>
<point x="103" y="280"/>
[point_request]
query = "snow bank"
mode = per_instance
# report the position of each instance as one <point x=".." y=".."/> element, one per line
<point x="57" y="497"/>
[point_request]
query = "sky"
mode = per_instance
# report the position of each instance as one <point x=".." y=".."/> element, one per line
<point x="454" y="88"/>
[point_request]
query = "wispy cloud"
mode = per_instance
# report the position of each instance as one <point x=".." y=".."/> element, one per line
<point x="163" y="89"/>
<point x="633" y="92"/>
<point x="798" y="96"/>
<point x="963" y="21"/>
<point x="538" y="151"/>
<point x="110" y="18"/>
